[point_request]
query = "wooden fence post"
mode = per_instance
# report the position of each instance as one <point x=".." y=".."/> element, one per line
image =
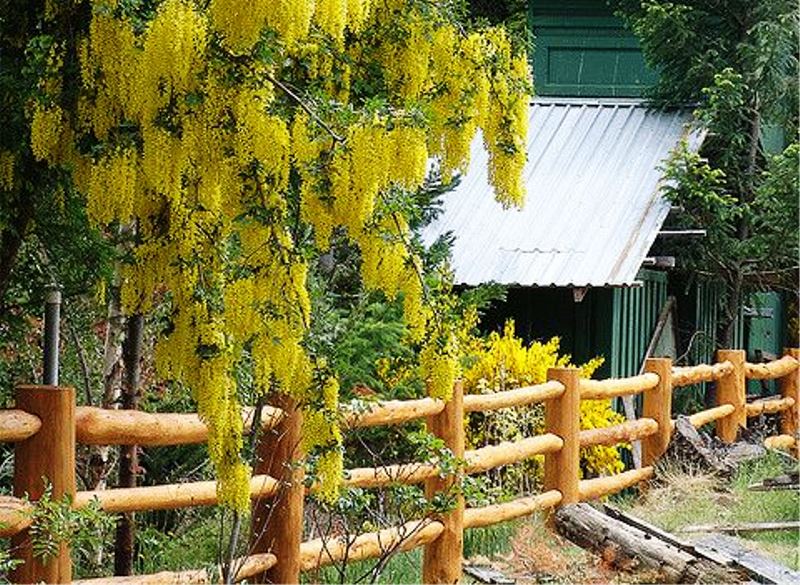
<point x="732" y="389"/>
<point x="277" y="522"/>
<point x="441" y="561"/>
<point x="48" y="456"/>
<point x="657" y="404"/>
<point x="562" y="417"/>
<point x="790" y="388"/>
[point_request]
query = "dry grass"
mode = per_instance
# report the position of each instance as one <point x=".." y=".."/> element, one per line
<point x="541" y="556"/>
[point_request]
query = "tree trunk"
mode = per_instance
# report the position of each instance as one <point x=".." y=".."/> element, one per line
<point x="128" y="455"/>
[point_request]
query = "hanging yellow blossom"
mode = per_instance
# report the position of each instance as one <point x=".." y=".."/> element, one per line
<point x="242" y="139"/>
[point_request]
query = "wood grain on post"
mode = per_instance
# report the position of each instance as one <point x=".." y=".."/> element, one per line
<point x="562" y="418"/>
<point x="731" y="390"/>
<point x="657" y="404"/>
<point x="277" y="523"/>
<point x="790" y="388"/>
<point x="48" y="456"/>
<point x="441" y="561"/>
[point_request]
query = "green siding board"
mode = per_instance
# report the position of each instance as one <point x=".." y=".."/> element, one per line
<point x="581" y="49"/>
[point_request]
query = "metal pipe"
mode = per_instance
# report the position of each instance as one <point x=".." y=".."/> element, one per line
<point x="52" y="317"/>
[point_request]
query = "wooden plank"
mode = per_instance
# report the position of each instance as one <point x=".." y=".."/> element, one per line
<point x="787" y="481"/>
<point x="488" y="575"/>
<point x="744" y="527"/>
<point x="758" y="566"/>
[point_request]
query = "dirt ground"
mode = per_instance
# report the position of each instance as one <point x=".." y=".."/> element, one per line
<point x="540" y="556"/>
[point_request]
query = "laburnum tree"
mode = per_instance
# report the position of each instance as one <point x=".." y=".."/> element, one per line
<point x="737" y="61"/>
<point x="233" y="141"/>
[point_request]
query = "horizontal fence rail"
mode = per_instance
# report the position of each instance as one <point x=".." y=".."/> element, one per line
<point x="442" y="534"/>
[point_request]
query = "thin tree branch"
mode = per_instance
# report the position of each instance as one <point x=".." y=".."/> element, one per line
<point x="308" y="110"/>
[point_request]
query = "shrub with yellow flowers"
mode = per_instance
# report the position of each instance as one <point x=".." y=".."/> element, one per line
<point x="238" y="138"/>
<point x="502" y="361"/>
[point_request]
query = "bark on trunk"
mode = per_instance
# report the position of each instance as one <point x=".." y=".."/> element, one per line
<point x="627" y="547"/>
<point x="128" y="456"/>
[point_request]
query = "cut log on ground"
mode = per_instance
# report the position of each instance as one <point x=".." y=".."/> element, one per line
<point x="627" y="547"/>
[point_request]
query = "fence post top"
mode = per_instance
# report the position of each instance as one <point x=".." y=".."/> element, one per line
<point x="659" y="360"/>
<point x="732" y="353"/>
<point x="29" y="387"/>
<point x="562" y="372"/>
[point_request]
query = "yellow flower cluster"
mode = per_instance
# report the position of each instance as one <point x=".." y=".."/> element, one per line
<point x="115" y="173"/>
<point x="321" y="432"/>
<point x="7" y="161"/>
<point x="438" y="362"/>
<point x="47" y="125"/>
<point x="504" y="361"/>
<point x="189" y="138"/>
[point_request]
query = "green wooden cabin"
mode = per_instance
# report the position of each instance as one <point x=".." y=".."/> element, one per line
<point x="577" y="260"/>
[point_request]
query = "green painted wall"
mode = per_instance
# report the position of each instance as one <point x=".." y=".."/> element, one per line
<point x="616" y="324"/>
<point x="582" y="49"/>
<point x="634" y="314"/>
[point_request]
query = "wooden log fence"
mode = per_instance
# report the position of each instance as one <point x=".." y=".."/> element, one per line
<point x="46" y="425"/>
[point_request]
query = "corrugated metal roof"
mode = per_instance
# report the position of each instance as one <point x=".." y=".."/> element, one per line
<point x="593" y="207"/>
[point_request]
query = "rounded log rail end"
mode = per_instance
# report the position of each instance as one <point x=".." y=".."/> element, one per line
<point x="622" y="433"/>
<point x="392" y="412"/>
<point x="781" y="442"/>
<point x="614" y="387"/>
<point x="322" y="552"/>
<point x="496" y="513"/>
<point x="771" y="370"/>
<point x="101" y="426"/>
<point x="516" y="397"/>
<point x="708" y="416"/>
<point x="688" y="375"/>
<point x="169" y="496"/>
<point x="591" y="489"/>
<point x="254" y="564"/>
<point x="769" y="405"/>
<point x="17" y="425"/>
<point x="15" y="515"/>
